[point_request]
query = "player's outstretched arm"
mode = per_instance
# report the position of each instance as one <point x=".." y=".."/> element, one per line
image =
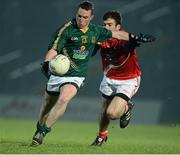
<point x="142" y="38"/>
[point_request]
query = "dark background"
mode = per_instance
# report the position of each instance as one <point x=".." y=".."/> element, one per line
<point x="27" y="26"/>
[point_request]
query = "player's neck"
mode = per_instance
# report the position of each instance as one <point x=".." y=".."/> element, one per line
<point x="85" y="29"/>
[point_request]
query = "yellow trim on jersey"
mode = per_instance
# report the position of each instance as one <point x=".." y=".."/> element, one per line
<point x="55" y="44"/>
<point x="84" y="30"/>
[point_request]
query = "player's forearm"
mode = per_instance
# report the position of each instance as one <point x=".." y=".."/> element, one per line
<point x="121" y="35"/>
<point x="50" y="54"/>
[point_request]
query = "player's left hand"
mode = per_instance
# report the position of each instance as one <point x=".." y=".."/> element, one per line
<point x="45" y="69"/>
<point x="145" y="38"/>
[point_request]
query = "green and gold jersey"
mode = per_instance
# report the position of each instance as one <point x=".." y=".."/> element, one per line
<point x="78" y="45"/>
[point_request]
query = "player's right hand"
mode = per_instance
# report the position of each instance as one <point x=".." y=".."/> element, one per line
<point x="45" y="69"/>
<point x="145" y="38"/>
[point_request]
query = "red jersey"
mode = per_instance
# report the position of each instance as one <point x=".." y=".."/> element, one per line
<point x="118" y="61"/>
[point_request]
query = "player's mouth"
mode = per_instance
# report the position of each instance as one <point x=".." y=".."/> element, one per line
<point x="80" y="25"/>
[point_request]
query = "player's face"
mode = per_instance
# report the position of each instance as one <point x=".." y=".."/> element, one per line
<point x="110" y="24"/>
<point x="83" y="18"/>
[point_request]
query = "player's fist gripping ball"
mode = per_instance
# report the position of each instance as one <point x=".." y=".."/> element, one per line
<point x="59" y="65"/>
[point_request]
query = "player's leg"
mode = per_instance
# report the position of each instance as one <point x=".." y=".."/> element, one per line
<point x="103" y="123"/>
<point x="127" y="90"/>
<point x="67" y="92"/>
<point x="50" y="100"/>
<point x="117" y="108"/>
<point x="120" y="108"/>
<point x="41" y="128"/>
<point x="106" y="90"/>
<point x="67" y="88"/>
<point x="125" y="118"/>
<point x="104" y="120"/>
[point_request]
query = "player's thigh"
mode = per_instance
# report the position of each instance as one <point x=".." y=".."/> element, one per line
<point x="117" y="104"/>
<point x="67" y="92"/>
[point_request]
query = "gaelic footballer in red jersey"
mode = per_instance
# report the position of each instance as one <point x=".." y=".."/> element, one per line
<point x="121" y="75"/>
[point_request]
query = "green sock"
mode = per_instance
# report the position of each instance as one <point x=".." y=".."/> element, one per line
<point x="46" y="128"/>
<point x="43" y="128"/>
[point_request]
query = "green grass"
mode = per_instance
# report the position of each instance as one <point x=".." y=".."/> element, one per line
<point x="76" y="137"/>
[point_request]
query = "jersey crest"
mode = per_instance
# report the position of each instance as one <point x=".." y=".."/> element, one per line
<point x="84" y="39"/>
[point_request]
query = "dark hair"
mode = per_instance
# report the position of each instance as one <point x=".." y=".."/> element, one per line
<point x="86" y="5"/>
<point x="114" y="15"/>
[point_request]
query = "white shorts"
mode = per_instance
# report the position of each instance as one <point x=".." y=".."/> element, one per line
<point x="55" y="82"/>
<point x="110" y="87"/>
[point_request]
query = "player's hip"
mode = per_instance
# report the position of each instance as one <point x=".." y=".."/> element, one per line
<point x="128" y="87"/>
<point x="55" y="82"/>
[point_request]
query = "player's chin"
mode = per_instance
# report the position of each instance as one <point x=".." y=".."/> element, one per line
<point x="80" y="26"/>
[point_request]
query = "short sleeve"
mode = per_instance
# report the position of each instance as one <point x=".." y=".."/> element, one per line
<point x="58" y="40"/>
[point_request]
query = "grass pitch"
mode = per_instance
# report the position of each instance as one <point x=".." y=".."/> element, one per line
<point x="76" y="137"/>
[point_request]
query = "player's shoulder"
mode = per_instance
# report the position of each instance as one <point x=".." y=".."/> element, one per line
<point x="95" y="27"/>
<point x="68" y="25"/>
<point x="98" y="29"/>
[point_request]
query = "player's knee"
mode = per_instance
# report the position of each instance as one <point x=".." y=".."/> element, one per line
<point x="112" y="115"/>
<point x="63" y="100"/>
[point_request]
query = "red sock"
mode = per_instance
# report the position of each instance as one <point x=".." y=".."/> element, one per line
<point x="103" y="134"/>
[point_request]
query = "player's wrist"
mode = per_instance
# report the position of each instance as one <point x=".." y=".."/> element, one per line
<point x="132" y="37"/>
<point x="46" y="63"/>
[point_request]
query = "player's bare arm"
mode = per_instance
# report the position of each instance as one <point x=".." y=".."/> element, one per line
<point x="50" y="54"/>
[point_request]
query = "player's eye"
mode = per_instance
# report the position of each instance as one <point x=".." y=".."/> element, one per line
<point x="85" y="17"/>
<point x="107" y="24"/>
<point x="104" y="24"/>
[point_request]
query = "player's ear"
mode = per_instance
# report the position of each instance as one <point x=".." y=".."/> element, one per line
<point x="118" y="26"/>
<point x="92" y="16"/>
